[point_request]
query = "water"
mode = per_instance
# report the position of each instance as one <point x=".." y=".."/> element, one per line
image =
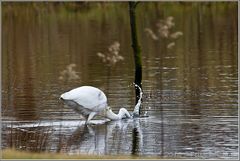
<point x="136" y="111"/>
<point x="189" y="91"/>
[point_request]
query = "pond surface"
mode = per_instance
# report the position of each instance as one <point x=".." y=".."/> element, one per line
<point x="190" y="91"/>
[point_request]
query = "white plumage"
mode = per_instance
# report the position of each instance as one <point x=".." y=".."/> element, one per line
<point x="90" y="101"/>
<point x="88" y="97"/>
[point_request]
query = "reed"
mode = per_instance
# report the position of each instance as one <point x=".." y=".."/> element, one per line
<point x="17" y="154"/>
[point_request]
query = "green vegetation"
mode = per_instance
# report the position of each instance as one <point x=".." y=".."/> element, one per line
<point x="16" y="154"/>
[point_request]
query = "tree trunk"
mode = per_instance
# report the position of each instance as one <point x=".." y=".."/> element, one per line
<point x="136" y="49"/>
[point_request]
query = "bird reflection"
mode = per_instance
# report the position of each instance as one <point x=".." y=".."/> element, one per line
<point x="110" y="137"/>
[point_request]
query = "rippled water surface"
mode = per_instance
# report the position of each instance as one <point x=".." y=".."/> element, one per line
<point x="190" y="91"/>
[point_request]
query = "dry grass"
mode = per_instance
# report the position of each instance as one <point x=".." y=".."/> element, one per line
<point x="16" y="154"/>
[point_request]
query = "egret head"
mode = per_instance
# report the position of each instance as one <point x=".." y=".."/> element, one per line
<point x="108" y="108"/>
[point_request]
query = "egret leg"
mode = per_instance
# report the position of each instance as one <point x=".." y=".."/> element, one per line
<point x="91" y="115"/>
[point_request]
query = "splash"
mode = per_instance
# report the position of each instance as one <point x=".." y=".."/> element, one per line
<point x="137" y="107"/>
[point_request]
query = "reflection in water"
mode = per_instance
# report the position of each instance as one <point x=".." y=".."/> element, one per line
<point x="190" y="90"/>
<point x="137" y="138"/>
<point x="202" y="138"/>
<point x="74" y="137"/>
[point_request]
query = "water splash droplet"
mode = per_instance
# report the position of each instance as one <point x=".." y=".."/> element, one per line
<point x="137" y="107"/>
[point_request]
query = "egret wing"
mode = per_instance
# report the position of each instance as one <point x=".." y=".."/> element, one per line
<point x="88" y="97"/>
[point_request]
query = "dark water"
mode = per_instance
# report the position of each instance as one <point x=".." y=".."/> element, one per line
<point x="190" y="90"/>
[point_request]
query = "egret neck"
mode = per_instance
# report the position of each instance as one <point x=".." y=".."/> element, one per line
<point x="123" y="113"/>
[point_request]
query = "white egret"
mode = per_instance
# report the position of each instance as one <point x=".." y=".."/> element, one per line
<point x="89" y="102"/>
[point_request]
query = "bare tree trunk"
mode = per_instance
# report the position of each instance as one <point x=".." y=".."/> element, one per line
<point x="136" y="49"/>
